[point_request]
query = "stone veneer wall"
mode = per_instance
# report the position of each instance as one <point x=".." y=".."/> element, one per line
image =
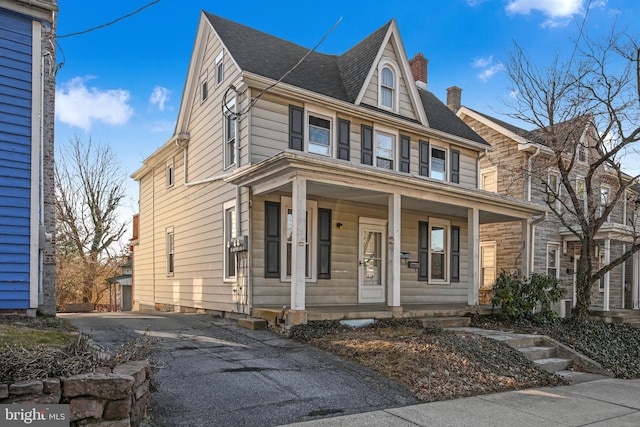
<point x="106" y="398"/>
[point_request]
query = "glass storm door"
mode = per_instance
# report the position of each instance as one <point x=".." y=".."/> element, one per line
<point x="371" y="264"/>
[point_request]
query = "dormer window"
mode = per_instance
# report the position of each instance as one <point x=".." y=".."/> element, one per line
<point x="387" y="86"/>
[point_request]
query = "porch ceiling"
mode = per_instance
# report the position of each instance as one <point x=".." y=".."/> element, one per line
<point x="332" y="179"/>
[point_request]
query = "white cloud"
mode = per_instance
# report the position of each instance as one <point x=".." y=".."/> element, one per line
<point x="558" y="12"/>
<point x="81" y="106"/>
<point x="482" y="62"/>
<point x="490" y="72"/>
<point x="489" y="69"/>
<point x="159" y="96"/>
<point x="474" y="3"/>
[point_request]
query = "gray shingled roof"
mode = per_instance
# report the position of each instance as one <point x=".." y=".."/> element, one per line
<point x="526" y="134"/>
<point x="340" y="77"/>
<point x="443" y="119"/>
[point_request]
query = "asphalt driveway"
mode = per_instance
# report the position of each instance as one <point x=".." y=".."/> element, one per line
<point x="217" y="373"/>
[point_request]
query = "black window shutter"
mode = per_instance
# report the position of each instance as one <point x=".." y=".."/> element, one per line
<point x="367" y="145"/>
<point x="424" y="158"/>
<point x="296" y="128"/>
<point x="324" y="243"/>
<point x="455" y="253"/>
<point x="455" y="166"/>
<point x="405" y="153"/>
<point x="271" y="239"/>
<point x="344" y="131"/>
<point x="423" y="251"/>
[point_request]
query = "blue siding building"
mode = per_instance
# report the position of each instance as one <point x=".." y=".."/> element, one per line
<point x="27" y="222"/>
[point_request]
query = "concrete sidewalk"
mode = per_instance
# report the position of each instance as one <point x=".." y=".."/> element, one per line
<point x="608" y="402"/>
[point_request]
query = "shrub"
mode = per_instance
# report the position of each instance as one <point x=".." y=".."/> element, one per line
<point x="526" y="297"/>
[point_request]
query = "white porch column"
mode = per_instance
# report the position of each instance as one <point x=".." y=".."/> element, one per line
<point x="393" y="253"/>
<point x="298" y="242"/>
<point x="527" y="248"/>
<point x="634" y="280"/>
<point x="607" y="259"/>
<point x="473" y="225"/>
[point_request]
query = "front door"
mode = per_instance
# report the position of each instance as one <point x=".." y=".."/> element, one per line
<point x="372" y="261"/>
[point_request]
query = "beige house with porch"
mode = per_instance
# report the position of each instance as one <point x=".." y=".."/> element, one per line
<point x="327" y="185"/>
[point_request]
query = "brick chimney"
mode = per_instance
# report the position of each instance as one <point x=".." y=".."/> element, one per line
<point x="419" y="70"/>
<point x="454" y="96"/>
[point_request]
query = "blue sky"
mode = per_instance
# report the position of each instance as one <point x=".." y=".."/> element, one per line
<point x="122" y="85"/>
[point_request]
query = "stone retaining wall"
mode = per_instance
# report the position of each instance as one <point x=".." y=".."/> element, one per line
<point x="105" y="398"/>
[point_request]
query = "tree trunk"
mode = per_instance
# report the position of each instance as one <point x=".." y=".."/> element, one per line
<point x="583" y="284"/>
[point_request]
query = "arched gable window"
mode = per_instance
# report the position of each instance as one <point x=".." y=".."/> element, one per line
<point x="388" y="85"/>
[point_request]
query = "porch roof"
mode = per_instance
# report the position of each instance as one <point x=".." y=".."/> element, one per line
<point x="609" y="230"/>
<point x="338" y="179"/>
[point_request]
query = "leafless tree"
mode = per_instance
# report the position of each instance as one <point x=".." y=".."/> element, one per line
<point x="90" y="186"/>
<point x="585" y="112"/>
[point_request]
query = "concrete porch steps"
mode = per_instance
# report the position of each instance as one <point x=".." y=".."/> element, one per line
<point x="445" y="321"/>
<point x="534" y="349"/>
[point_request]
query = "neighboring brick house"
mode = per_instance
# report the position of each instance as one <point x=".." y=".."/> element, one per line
<point x="341" y="185"/>
<point x="555" y="249"/>
<point x="27" y="197"/>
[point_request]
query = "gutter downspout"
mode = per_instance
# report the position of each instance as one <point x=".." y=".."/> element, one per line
<point x="532" y="244"/>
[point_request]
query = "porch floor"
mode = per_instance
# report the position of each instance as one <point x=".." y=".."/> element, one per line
<point x="380" y="311"/>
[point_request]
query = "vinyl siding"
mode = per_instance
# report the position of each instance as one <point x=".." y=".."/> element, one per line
<point x="370" y="97"/>
<point x="15" y="159"/>
<point x="269" y="128"/>
<point x="342" y="288"/>
<point x="270" y="135"/>
<point x="206" y="125"/>
<point x="195" y="211"/>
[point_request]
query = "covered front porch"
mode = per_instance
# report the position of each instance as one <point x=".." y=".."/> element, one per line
<point x="396" y="276"/>
<point x="620" y="288"/>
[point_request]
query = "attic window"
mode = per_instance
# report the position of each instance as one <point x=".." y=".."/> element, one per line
<point x="204" y="88"/>
<point x="387" y="88"/>
<point x="219" y="68"/>
<point x="388" y="85"/>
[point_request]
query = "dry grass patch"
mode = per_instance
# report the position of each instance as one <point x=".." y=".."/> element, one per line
<point x="433" y="363"/>
<point x="36" y="348"/>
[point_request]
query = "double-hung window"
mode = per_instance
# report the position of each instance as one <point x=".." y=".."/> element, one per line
<point x="230" y="123"/>
<point x="554" y="190"/>
<point x="219" y="68"/>
<point x="387" y="87"/>
<point x="489" y="179"/>
<point x="319" y="135"/>
<point x="170" y="251"/>
<point x="229" y="227"/>
<point x="385" y="150"/>
<point x="553" y="260"/>
<point x="438" y="163"/>
<point x="309" y="241"/>
<point x="438" y="251"/>
<point x="388" y="97"/>
<point x="204" y="87"/>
